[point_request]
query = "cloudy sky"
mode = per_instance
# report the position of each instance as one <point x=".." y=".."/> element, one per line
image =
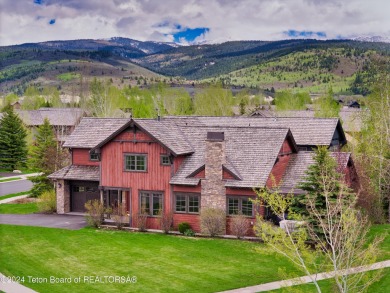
<point x="187" y="21"/>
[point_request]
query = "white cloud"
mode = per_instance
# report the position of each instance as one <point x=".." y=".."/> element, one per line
<point x="22" y="21"/>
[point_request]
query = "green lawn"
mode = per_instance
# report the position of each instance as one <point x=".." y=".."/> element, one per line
<point x="14" y="194"/>
<point x="161" y="263"/>
<point x="18" y="208"/>
<point x="10" y="179"/>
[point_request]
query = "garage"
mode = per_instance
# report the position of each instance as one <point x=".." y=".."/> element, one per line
<point x="81" y="192"/>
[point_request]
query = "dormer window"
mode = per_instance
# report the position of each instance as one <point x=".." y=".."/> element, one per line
<point x="93" y="156"/>
<point x="165" y="160"/>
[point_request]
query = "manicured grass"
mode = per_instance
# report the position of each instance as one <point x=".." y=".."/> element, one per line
<point x="161" y="263"/>
<point x="10" y="179"/>
<point x="18" y="208"/>
<point x="14" y="194"/>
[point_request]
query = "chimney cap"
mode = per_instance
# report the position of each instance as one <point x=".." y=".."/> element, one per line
<point x="216" y="136"/>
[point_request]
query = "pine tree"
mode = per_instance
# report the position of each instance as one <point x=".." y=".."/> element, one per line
<point x="322" y="182"/>
<point x="13" y="146"/>
<point x="43" y="155"/>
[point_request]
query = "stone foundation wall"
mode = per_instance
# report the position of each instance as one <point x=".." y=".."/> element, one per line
<point x="63" y="196"/>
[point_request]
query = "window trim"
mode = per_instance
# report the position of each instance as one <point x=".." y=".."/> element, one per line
<point x="150" y="194"/>
<point x="187" y="196"/>
<point x="240" y="199"/>
<point x="162" y="156"/>
<point x="136" y="155"/>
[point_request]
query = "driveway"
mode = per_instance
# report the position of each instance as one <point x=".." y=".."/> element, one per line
<point x="41" y="220"/>
<point x="15" y="186"/>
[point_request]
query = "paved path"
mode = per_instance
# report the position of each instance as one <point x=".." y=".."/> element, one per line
<point x="12" y="287"/>
<point x="306" y="279"/>
<point x="42" y="220"/>
<point x="11" y="199"/>
<point x="15" y="186"/>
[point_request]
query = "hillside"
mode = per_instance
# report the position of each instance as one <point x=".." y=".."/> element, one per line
<point x="313" y="70"/>
<point x="69" y="65"/>
<point x="205" y="61"/>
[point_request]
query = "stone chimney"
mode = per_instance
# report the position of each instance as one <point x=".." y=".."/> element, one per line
<point x="213" y="192"/>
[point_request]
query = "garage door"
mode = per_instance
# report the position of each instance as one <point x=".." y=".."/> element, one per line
<point x="83" y="191"/>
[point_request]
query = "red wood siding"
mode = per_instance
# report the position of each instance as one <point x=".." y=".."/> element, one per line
<point x="280" y="167"/>
<point x="201" y="174"/>
<point x="193" y="220"/>
<point x="177" y="162"/>
<point x="81" y="157"/>
<point x="240" y="191"/>
<point x="185" y="188"/>
<point x="227" y="175"/>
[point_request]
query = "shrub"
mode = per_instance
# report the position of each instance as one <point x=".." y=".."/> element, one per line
<point x="183" y="227"/>
<point x="239" y="225"/>
<point x="189" y="232"/>
<point x="166" y="221"/>
<point x="47" y="202"/>
<point x="141" y="222"/>
<point x="119" y="216"/>
<point x="95" y="213"/>
<point x="213" y="221"/>
<point x="41" y="184"/>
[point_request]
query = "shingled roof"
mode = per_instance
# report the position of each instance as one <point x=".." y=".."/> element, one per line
<point x="306" y="131"/>
<point x="299" y="164"/>
<point x="251" y="153"/>
<point x="92" y="131"/>
<point x="56" y="116"/>
<point x="75" y="172"/>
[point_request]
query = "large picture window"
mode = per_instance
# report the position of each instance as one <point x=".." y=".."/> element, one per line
<point x="134" y="162"/>
<point x="187" y="203"/>
<point x="151" y="203"/>
<point x="237" y="205"/>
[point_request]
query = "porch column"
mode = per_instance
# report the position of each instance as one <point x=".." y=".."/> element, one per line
<point x="101" y="196"/>
<point x="63" y="196"/>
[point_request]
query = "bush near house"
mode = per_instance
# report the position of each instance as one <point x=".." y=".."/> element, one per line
<point x="166" y="221"/>
<point x="47" y="202"/>
<point x="95" y="213"/>
<point x="183" y="227"/>
<point x="239" y="225"/>
<point x="213" y="221"/>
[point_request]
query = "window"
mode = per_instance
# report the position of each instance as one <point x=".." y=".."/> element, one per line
<point x="238" y="205"/>
<point x="187" y="203"/>
<point x="93" y="156"/>
<point x="165" y="160"/>
<point x="135" y="163"/>
<point x="151" y="203"/>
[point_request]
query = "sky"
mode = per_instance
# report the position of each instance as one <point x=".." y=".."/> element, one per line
<point x="189" y="21"/>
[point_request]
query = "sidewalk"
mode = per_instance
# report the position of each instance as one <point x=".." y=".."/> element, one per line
<point x="11" y="199"/>
<point x="306" y="279"/>
<point x="22" y="177"/>
<point x="13" y="287"/>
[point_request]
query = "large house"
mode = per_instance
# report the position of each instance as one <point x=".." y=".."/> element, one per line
<point x="185" y="164"/>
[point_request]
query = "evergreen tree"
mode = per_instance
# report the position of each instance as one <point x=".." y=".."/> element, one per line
<point x="13" y="146"/>
<point x="43" y="151"/>
<point x="322" y="182"/>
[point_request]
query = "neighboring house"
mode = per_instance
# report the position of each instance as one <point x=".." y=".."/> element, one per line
<point x="351" y="118"/>
<point x="63" y="120"/>
<point x="185" y="164"/>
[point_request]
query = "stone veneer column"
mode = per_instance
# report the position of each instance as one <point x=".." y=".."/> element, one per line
<point x="213" y="192"/>
<point x="63" y="196"/>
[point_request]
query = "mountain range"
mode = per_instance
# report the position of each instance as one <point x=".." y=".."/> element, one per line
<point x="59" y="63"/>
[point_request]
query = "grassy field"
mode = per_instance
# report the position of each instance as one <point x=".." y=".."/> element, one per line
<point x="18" y="208"/>
<point x="161" y="263"/>
<point x="68" y="76"/>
